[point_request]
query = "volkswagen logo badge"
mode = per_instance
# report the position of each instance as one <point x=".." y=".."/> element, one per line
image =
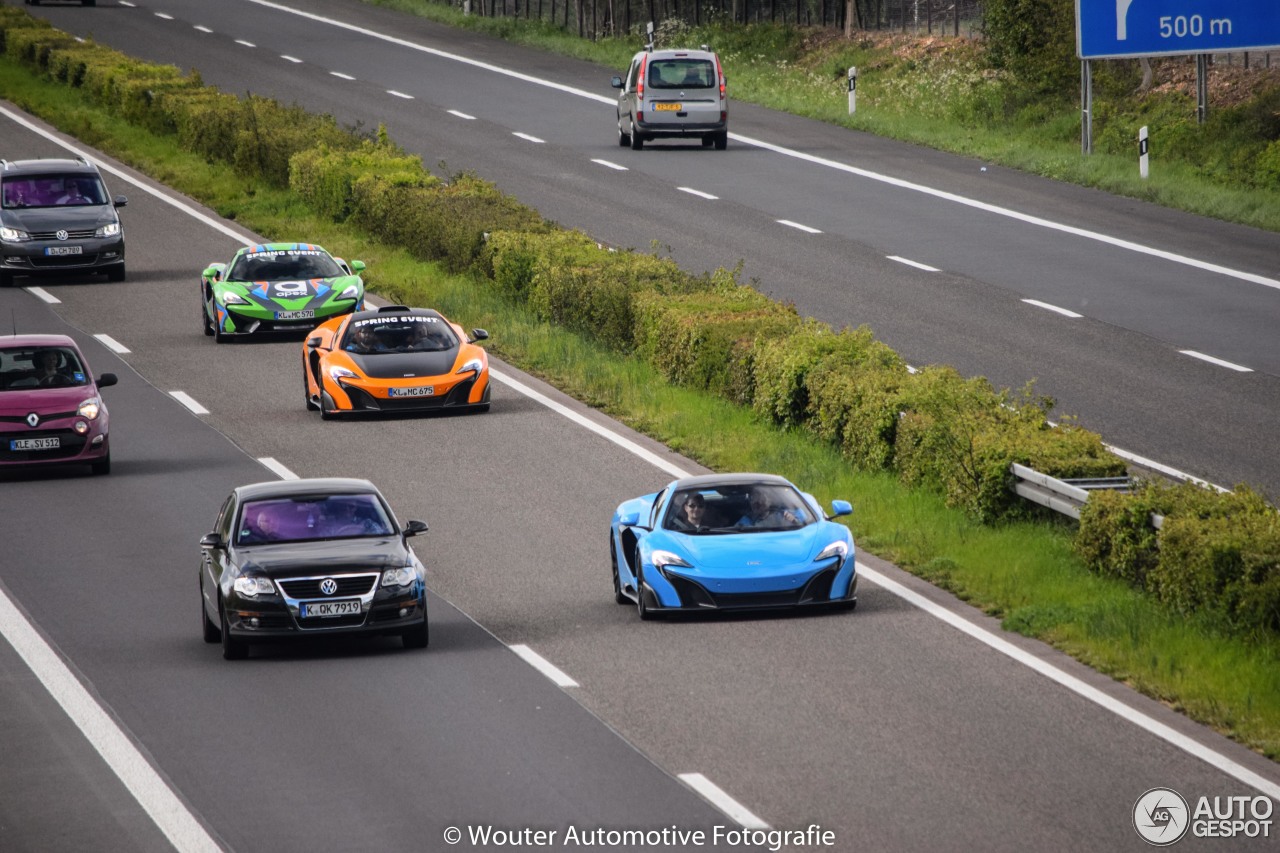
<point x="62" y="234"/>
<point x="33" y="420"/>
<point x="328" y="586"/>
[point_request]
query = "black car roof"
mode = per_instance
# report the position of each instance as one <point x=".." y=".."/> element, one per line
<point x="314" y="486"/>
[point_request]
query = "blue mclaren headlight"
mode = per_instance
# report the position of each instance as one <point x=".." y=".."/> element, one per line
<point x="839" y="548"/>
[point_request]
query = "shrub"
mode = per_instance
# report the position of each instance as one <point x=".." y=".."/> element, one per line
<point x="325" y="177"/>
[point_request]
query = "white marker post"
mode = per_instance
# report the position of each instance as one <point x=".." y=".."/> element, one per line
<point x="853" y="89"/>
<point x="1142" y="152"/>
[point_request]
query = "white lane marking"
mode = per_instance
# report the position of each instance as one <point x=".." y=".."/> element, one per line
<point x="245" y="43"/>
<point x="42" y="294"/>
<point x="543" y="666"/>
<point x="122" y="175"/>
<point x="462" y="115"/>
<point x="400" y="94"/>
<point x="202" y="29"/>
<point x="804" y="228"/>
<point x="602" y="431"/>
<point x="699" y="193"/>
<point x="527" y="136"/>
<point x="163" y="16"/>
<point x="611" y="165"/>
<point x="293" y="59"/>
<point x="1075" y="685"/>
<point x="799" y="155"/>
<point x="713" y="794"/>
<point x="146" y="785"/>
<point x="276" y="468"/>
<point x="1163" y="469"/>
<point x="112" y="344"/>
<point x="1227" y="364"/>
<point x="912" y="263"/>
<point x="341" y="75"/>
<point x="1054" y="308"/>
<point x="185" y="399"/>
<point x="127" y="3"/>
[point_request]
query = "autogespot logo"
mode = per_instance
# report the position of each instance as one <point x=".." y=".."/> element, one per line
<point x="1161" y="816"/>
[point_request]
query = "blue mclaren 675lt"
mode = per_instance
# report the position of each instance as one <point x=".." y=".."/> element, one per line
<point x="731" y="542"/>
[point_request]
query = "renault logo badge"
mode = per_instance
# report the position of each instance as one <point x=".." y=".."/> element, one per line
<point x="328" y="586"/>
<point x="33" y="420"/>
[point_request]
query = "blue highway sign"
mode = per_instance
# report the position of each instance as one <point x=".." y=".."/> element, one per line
<point x="1110" y="29"/>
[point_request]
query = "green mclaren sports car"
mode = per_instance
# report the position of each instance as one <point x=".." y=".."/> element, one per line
<point x="277" y="287"/>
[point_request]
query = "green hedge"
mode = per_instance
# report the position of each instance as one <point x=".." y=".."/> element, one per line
<point x="935" y="428"/>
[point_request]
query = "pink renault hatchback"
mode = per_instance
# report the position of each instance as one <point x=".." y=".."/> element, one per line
<point x="50" y="409"/>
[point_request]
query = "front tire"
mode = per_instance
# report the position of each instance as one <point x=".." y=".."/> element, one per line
<point x="232" y="649"/>
<point x="618" y="594"/>
<point x="117" y="272"/>
<point x="101" y="466"/>
<point x="209" y="631"/>
<point x="206" y="321"/>
<point x="416" y="638"/>
<point x="642" y="608"/>
<point x="306" y="390"/>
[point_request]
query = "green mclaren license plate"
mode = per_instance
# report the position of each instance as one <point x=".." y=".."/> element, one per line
<point x="305" y="314"/>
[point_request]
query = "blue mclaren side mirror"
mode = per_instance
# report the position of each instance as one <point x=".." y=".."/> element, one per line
<point x="839" y="508"/>
<point x="630" y="519"/>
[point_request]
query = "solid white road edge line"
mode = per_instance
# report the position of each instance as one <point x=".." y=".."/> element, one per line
<point x="805" y="228"/>
<point x="185" y="399"/>
<point x="1054" y="308"/>
<point x="276" y="468"/>
<point x="614" y="166"/>
<point x="799" y="155"/>
<point x="699" y="193"/>
<point x="712" y="793"/>
<point x="155" y="796"/>
<point x="528" y="137"/>
<point x="543" y="665"/>
<point x="1075" y="685"/>
<point x="912" y="263"/>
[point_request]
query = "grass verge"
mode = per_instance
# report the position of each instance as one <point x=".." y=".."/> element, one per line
<point x="1024" y="572"/>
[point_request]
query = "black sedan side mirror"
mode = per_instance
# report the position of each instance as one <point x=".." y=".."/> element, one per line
<point x="106" y="380"/>
<point x="119" y="201"/>
<point x="212" y="540"/>
<point x="414" y="527"/>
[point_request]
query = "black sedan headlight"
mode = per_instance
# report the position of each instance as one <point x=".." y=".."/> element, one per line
<point x="403" y="576"/>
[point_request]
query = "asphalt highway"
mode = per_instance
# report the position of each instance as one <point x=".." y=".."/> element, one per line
<point x="911" y="724"/>
<point x="1172" y="356"/>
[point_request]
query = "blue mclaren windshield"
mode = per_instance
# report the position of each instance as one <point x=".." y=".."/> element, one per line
<point x="737" y="508"/>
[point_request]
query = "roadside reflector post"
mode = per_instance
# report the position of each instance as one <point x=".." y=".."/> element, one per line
<point x="1142" y="152"/>
<point x="853" y="89"/>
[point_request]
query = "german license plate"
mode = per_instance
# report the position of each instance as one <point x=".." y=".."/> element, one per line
<point x="421" y="391"/>
<point x="63" y="250"/>
<point x="305" y="314"/>
<point x="35" y="443"/>
<point x="675" y="108"/>
<point x="322" y="609"/>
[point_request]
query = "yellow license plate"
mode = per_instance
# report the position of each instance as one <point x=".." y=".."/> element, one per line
<point x="665" y="107"/>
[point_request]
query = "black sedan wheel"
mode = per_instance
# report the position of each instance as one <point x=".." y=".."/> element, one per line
<point x="416" y="638"/>
<point x="211" y="632"/>
<point x="232" y="649"/>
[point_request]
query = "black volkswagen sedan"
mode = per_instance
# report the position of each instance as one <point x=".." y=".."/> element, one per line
<point x="297" y="558"/>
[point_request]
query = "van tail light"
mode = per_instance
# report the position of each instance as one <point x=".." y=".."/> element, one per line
<point x="640" y="80"/>
<point x="720" y="74"/>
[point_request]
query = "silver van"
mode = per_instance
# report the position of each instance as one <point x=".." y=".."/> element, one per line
<point x="673" y="93"/>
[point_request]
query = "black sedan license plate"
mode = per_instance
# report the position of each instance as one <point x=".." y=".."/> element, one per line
<point x="421" y="391"/>
<point x="321" y="609"/>
<point x="35" y="443"/>
<point x="63" y="250"/>
<point x="305" y="314"/>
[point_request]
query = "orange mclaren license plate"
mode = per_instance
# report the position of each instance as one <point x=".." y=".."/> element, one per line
<point x="675" y="108"/>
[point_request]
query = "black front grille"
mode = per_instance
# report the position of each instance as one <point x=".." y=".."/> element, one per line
<point x="348" y="585"/>
<point x="78" y="234"/>
<point x="331" y="622"/>
<point x="58" y="261"/>
<point x="362" y="400"/>
<point x="70" y="444"/>
<point x="693" y="594"/>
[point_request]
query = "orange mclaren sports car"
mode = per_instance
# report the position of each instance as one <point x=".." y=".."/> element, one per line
<point x="394" y="359"/>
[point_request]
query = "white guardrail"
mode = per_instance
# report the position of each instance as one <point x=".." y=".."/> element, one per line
<point x="1066" y="496"/>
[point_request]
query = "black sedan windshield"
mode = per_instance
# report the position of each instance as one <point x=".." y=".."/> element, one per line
<point x="307" y="518"/>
